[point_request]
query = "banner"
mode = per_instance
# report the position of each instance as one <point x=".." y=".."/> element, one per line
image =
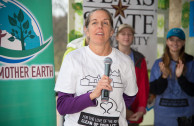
<point x="140" y="14"/>
<point x="27" y="78"/>
<point x="191" y="20"/>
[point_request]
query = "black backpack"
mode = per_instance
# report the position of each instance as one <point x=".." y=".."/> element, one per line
<point x="186" y="121"/>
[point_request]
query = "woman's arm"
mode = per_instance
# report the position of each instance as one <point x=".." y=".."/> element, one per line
<point x="158" y="86"/>
<point x="143" y="86"/>
<point x="188" y="87"/>
<point x="128" y="100"/>
<point x="68" y="104"/>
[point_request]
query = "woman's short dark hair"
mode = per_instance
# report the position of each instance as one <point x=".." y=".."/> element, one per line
<point x="87" y="20"/>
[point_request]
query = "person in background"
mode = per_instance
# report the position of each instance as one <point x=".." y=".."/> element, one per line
<point x="172" y="81"/>
<point x="81" y="78"/>
<point x="124" y="37"/>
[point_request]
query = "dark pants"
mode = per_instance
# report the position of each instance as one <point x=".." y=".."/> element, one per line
<point x="133" y="124"/>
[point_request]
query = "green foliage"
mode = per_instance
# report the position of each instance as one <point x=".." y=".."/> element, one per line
<point x="73" y="35"/>
<point x="78" y="8"/>
<point x="160" y="22"/>
<point x="163" y="4"/>
<point x="185" y="15"/>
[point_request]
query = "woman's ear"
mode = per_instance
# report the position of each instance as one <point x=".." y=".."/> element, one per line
<point x="86" y="30"/>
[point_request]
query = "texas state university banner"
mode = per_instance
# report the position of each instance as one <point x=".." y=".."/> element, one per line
<point x="140" y="14"/>
<point x="27" y="78"/>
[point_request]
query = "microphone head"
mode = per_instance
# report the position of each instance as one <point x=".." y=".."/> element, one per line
<point x="107" y="60"/>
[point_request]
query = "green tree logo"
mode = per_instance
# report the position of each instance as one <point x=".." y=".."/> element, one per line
<point x="20" y="27"/>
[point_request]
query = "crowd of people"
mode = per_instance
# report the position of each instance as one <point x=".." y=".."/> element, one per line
<point x="82" y="78"/>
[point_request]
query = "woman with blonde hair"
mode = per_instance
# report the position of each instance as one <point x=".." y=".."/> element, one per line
<point x="125" y="37"/>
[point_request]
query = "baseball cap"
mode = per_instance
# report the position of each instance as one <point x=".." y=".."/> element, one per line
<point x="176" y="32"/>
<point x="122" y="26"/>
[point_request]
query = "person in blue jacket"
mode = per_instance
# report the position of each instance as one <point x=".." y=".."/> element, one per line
<point x="172" y="81"/>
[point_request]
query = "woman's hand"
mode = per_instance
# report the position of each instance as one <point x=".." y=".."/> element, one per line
<point x="179" y="68"/>
<point x="136" y="116"/>
<point x="103" y="83"/>
<point x="163" y="69"/>
<point x="129" y="113"/>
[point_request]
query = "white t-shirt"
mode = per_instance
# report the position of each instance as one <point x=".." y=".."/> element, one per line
<point x="79" y="74"/>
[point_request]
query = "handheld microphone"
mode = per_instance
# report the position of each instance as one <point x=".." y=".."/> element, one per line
<point x="105" y="93"/>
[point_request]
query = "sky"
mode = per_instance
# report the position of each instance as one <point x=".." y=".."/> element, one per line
<point x="59" y="7"/>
